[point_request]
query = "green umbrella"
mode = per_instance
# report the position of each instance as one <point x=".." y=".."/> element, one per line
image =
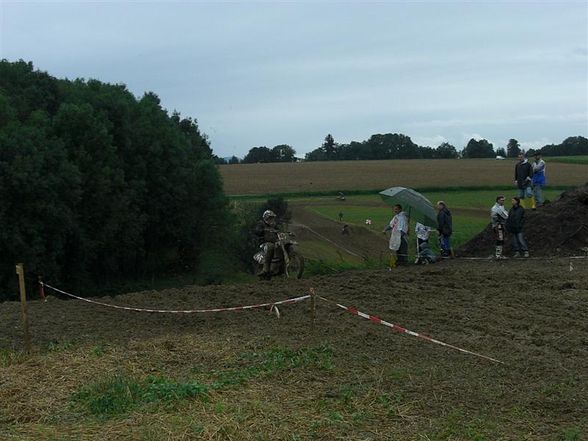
<point x="418" y="207"/>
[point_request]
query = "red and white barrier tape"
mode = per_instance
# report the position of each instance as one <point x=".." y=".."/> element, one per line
<point x="272" y="305"/>
<point x="400" y="329"/>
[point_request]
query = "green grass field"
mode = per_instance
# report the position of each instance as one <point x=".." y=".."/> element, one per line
<point x="470" y="211"/>
<point x="582" y="159"/>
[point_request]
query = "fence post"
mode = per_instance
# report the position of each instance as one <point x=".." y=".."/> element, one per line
<point x="312" y="308"/>
<point x="23" y="306"/>
<point x="41" y="288"/>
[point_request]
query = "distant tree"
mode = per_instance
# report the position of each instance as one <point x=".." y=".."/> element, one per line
<point x="326" y="152"/>
<point x="501" y="152"/>
<point x="391" y="146"/>
<point x="478" y="149"/>
<point x="513" y="148"/>
<point x="330" y="147"/>
<point x="316" y="155"/>
<point x="219" y="161"/>
<point x="446" y="151"/>
<point x="283" y="153"/>
<point x="258" y="154"/>
<point x="574" y="145"/>
<point x="234" y="160"/>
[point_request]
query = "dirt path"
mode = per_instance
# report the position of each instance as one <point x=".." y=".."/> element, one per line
<point x="359" y="243"/>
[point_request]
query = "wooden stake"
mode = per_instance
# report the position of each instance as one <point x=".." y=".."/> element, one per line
<point x="312" y="308"/>
<point x="41" y="288"/>
<point x="23" y="306"/>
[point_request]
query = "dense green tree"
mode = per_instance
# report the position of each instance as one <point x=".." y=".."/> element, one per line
<point x="446" y="151"/>
<point x="234" y="160"/>
<point x="574" y="145"/>
<point x="386" y="146"/>
<point x="513" y="148"/>
<point x="97" y="186"/>
<point x="501" y="152"/>
<point x="283" y="153"/>
<point x="258" y="154"/>
<point x="330" y="147"/>
<point x="478" y="149"/>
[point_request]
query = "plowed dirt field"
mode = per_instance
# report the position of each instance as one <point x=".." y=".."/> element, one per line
<point x="530" y="314"/>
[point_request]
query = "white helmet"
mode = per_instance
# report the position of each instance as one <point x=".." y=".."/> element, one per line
<point x="267" y="214"/>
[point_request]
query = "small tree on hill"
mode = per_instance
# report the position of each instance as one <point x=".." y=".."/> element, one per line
<point x="478" y="149"/>
<point x="513" y="148"/>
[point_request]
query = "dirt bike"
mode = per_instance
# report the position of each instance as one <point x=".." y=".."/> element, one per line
<point x="286" y="259"/>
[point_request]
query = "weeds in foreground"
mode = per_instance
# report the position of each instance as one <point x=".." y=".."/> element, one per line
<point x="9" y="357"/>
<point x="120" y="394"/>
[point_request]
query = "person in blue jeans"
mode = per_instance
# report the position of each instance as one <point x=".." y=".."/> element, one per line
<point x="538" y="179"/>
<point x="514" y="225"/>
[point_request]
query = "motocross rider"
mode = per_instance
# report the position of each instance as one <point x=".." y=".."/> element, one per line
<point x="267" y="234"/>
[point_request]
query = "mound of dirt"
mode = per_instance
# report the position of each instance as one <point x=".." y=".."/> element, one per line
<point x="557" y="228"/>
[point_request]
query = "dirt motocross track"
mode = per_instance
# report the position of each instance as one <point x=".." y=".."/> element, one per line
<point x="530" y="314"/>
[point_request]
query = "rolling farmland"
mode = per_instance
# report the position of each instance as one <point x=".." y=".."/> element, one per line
<point x="250" y="179"/>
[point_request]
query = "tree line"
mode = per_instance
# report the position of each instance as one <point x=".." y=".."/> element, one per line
<point x="98" y="185"/>
<point x="399" y="146"/>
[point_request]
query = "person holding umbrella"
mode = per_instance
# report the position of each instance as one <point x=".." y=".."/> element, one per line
<point x="398" y="244"/>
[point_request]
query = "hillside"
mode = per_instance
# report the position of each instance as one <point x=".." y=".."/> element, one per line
<point x="249" y="179"/>
<point x="248" y="375"/>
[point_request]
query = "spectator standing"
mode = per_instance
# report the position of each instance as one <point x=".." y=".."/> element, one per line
<point x="538" y="180"/>
<point x="499" y="215"/>
<point x="398" y="244"/>
<point x="445" y="228"/>
<point x="523" y="178"/>
<point x="514" y="225"/>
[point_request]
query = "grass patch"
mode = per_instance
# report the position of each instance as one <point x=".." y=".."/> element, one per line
<point x="456" y="425"/>
<point x="571" y="434"/>
<point x="9" y="357"/>
<point x="260" y="364"/>
<point x="350" y="194"/>
<point x="120" y="394"/>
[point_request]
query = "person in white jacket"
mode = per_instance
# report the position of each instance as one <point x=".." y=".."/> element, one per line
<point x="498" y="215"/>
<point x="398" y="244"/>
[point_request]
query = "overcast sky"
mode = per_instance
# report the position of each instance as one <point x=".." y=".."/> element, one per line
<point x="268" y="73"/>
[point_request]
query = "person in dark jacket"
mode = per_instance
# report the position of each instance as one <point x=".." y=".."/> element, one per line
<point x="445" y="228"/>
<point x="267" y="234"/>
<point x="523" y="178"/>
<point x="514" y="225"/>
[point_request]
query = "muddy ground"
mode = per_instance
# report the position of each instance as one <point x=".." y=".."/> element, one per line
<point x="531" y="314"/>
